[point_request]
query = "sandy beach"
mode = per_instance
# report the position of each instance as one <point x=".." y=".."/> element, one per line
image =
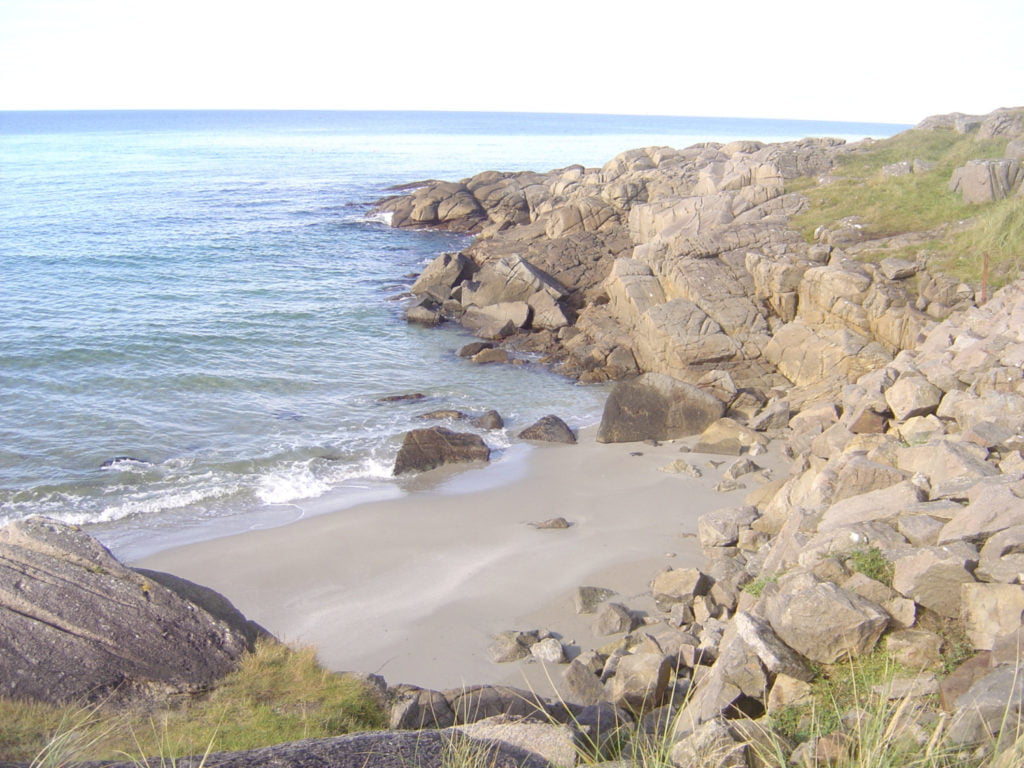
<point x="412" y="588"/>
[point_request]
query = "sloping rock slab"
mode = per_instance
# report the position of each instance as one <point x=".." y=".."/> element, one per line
<point x="382" y="749"/>
<point x="424" y="449"/>
<point x="655" y="406"/>
<point x="77" y="625"/>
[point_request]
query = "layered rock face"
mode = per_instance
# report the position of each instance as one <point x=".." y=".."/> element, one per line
<point x="76" y="625"/>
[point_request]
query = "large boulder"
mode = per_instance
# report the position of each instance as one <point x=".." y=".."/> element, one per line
<point x="983" y="181"/>
<point x="822" y="621"/>
<point x="76" y="625"/>
<point x="654" y="406"/>
<point x="424" y="449"/>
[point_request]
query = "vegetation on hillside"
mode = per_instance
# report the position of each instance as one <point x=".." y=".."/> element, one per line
<point x="885" y="205"/>
<point x="276" y="695"/>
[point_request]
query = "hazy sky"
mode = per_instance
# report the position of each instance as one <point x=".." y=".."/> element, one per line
<point x="871" y="60"/>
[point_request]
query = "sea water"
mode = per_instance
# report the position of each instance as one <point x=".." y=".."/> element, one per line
<point x="198" y="318"/>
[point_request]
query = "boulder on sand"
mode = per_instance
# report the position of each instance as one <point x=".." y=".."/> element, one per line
<point x="655" y="406"/>
<point x="548" y="429"/>
<point x="424" y="449"/>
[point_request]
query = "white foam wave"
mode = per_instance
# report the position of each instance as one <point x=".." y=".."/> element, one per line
<point x="378" y="217"/>
<point x="288" y="485"/>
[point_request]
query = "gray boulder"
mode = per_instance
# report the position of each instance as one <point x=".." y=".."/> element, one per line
<point x="122" y="636"/>
<point x="822" y="621"/>
<point x="983" y="181"/>
<point x="424" y="449"/>
<point x="549" y="429"/>
<point x="380" y="749"/>
<point x="654" y="406"/>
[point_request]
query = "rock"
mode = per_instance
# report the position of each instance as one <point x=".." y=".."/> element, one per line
<point x="490" y="355"/>
<point x="441" y="275"/>
<point x="423" y="313"/>
<point x="721" y="527"/>
<point x="656" y="406"/>
<point x="549" y="429"/>
<point x="613" y="619"/>
<point x="884" y="504"/>
<point x="681" y="467"/>
<point x="586" y="599"/>
<point x="788" y="692"/>
<point x="932" y="577"/>
<point x="912" y="395"/>
<point x="122" y="636"/>
<point x="679" y="585"/>
<point x="511" y="645"/>
<point x="640" y="682"/>
<point x="711" y="745"/>
<point x="991" y="611"/>
<point x="473" y="348"/>
<point x="389" y="749"/>
<point x="554" y="523"/>
<point x="992" y="701"/>
<point x="897" y="269"/>
<point x="496" y="321"/>
<point x="550" y="650"/>
<point x="729" y="438"/>
<point x="554" y="743"/>
<point x="425" y="449"/>
<point x="410" y="397"/>
<point x="479" y="702"/>
<point x="1002" y="557"/>
<point x="915" y="648"/>
<point x="992" y="508"/>
<point x="946" y="463"/>
<point x="442" y="415"/>
<point x="984" y="181"/>
<point x="822" y="621"/>
<point x="416" y="708"/>
<point x="741" y="467"/>
<point x="776" y="656"/>
<point x="490" y="420"/>
<point x="584" y="686"/>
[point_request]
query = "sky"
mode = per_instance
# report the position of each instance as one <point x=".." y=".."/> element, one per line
<point x="892" y="61"/>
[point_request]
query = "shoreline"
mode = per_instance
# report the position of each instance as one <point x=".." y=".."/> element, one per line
<point x="413" y="588"/>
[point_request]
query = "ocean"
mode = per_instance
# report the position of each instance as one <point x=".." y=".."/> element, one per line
<point x="198" y="317"/>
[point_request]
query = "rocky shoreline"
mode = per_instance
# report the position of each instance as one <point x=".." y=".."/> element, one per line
<point x="895" y="392"/>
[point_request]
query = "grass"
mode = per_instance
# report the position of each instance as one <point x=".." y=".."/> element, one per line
<point x="921" y="202"/>
<point x="276" y="695"/>
<point x="871" y="562"/>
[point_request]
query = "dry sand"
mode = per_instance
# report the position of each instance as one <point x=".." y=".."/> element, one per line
<point x="413" y="588"/>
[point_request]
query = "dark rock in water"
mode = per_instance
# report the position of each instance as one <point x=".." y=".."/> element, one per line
<point x="112" y="463"/>
<point x="76" y="625"/>
<point x="444" y="413"/>
<point x="423" y="314"/>
<point x="424" y="449"/>
<point x="402" y="398"/>
<point x="474" y="347"/>
<point x="550" y="429"/>
<point x="656" y="407"/>
<point x="485" y="356"/>
<point x="490" y="420"/>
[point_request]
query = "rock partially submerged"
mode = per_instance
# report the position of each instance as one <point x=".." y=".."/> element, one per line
<point x="425" y="449"/>
<point x="76" y="625"/>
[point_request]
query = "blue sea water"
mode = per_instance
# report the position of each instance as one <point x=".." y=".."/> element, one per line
<point x="197" y="317"/>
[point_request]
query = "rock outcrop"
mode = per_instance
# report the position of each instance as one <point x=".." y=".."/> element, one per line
<point x="76" y="625"/>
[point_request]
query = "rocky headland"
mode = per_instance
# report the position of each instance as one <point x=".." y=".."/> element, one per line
<point x="893" y="539"/>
